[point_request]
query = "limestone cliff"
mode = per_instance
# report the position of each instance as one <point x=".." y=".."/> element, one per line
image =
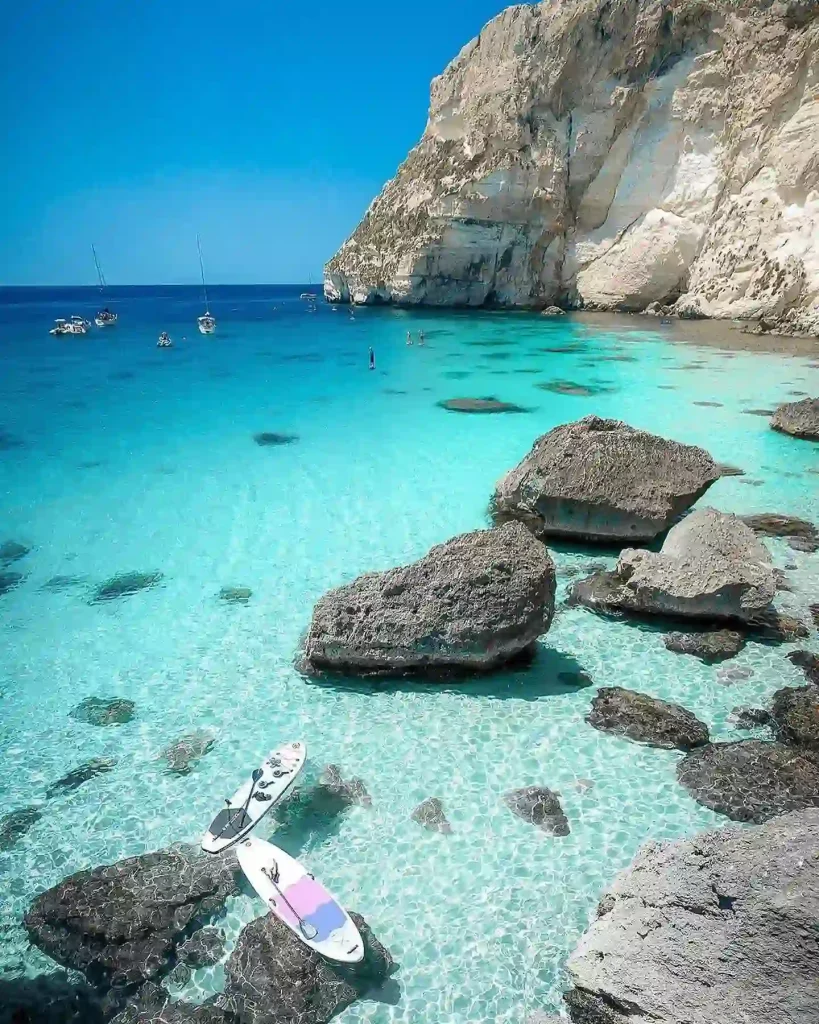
<point x="608" y="154"/>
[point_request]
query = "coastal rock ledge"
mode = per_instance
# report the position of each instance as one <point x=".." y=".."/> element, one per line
<point x="470" y="604"/>
<point x="610" y="156"/>
<point x="718" y="928"/>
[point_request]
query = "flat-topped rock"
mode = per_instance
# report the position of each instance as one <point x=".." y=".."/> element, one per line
<point x="602" y="480"/>
<point x="799" y="419"/>
<point x="712" y="646"/>
<point x="646" y="719"/>
<point x="273" y="978"/>
<point x="795" y="717"/>
<point x="120" y="924"/>
<point x="710" y="567"/>
<point x="472" y="603"/>
<point x="750" y="780"/>
<point x="717" y="929"/>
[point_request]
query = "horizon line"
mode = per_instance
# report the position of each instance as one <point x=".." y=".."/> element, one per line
<point x="177" y="284"/>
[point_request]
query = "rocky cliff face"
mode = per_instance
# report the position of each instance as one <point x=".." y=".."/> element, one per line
<point x="608" y="154"/>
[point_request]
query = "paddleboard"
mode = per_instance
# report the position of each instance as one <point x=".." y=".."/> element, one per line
<point x="279" y="770"/>
<point x="300" y="902"/>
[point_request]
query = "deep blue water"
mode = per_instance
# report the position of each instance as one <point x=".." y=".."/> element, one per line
<point x="117" y="457"/>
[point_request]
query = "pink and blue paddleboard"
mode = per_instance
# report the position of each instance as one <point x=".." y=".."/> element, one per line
<point x="300" y="902"/>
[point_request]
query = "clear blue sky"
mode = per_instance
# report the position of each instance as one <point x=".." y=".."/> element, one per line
<point x="266" y="126"/>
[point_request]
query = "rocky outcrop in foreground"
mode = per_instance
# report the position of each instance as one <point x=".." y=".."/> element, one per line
<point x="645" y="719"/>
<point x="271" y="976"/>
<point x="718" y="928"/>
<point x="711" y="566"/>
<point x="751" y="780"/>
<point x="470" y="604"/>
<point x="602" y="480"/>
<point x="121" y="924"/>
<point x="800" y="419"/>
<point x="610" y="156"/>
<point x="795" y="717"/>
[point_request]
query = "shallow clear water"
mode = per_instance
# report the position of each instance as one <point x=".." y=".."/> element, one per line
<point x="137" y="459"/>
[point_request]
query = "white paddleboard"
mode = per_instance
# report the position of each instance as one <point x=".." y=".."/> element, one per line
<point x="300" y="902"/>
<point x="234" y="821"/>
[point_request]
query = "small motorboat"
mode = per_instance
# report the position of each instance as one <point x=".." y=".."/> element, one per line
<point x="79" y="325"/>
<point x="61" y="327"/>
<point x="105" y="318"/>
<point x="164" y="340"/>
<point x="309" y="296"/>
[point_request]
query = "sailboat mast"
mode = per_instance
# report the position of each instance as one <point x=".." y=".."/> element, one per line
<point x="202" y="269"/>
<point x="99" y="269"/>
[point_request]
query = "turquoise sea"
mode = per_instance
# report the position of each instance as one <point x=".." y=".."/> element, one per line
<point x="117" y="457"/>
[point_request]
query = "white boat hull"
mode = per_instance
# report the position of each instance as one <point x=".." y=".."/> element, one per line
<point x="301" y="902"/>
<point x="207" y="328"/>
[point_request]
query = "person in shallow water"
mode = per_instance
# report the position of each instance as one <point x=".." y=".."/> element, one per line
<point x="409" y="337"/>
<point x="420" y="337"/>
<point x="372" y="359"/>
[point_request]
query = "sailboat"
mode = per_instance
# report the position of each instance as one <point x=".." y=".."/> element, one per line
<point x="207" y="323"/>
<point x="309" y="296"/>
<point x="105" y="318"/>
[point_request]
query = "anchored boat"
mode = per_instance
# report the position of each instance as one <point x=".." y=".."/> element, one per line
<point x="105" y="317"/>
<point x="206" y="322"/>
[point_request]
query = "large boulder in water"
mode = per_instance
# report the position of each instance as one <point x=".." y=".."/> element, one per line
<point x="711" y="567"/>
<point x="121" y="924"/>
<point x="645" y="719"/>
<point x="800" y="419"/>
<point x="795" y="717"/>
<point x="750" y="780"/>
<point x="717" y="929"/>
<point x="274" y="978"/>
<point x="602" y="480"/>
<point x="471" y="604"/>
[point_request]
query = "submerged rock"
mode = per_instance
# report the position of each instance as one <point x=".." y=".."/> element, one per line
<point x="716" y="929"/>
<point x="174" y="1011"/>
<point x="799" y="419"/>
<point x="808" y="662"/>
<point x="750" y="780"/>
<point x="772" y="524"/>
<point x="775" y="627"/>
<point x="351" y="791"/>
<point x="711" y="566"/>
<point x="235" y="595"/>
<point x="15" y="824"/>
<point x="602" y="480"/>
<point x="203" y="949"/>
<point x="795" y="717"/>
<point x="82" y="773"/>
<point x="11" y="551"/>
<point x="479" y="405"/>
<point x="711" y="647"/>
<point x="539" y="806"/>
<point x="273" y="978"/>
<point x="471" y="604"/>
<point x="124" y="585"/>
<point x="121" y="924"/>
<point x="49" y="999"/>
<point x="272" y="440"/>
<point x="10" y="580"/>
<point x="62" y="583"/>
<point x="646" y="719"/>
<point x="727" y="470"/>
<point x="103" y="711"/>
<point x="734" y="674"/>
<point x="183" y="755"/>
<point x="568" y="387"/>
<point x="750" y="718"/>
<point x="430" y="814"/>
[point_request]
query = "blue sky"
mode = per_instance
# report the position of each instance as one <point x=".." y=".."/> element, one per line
<point x="266" y="126"/>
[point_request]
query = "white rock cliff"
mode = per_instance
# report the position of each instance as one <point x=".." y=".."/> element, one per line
<point x="608" y="154"/>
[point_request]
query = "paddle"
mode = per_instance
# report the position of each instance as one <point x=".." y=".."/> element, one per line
<point x="307" y="929"/>
<point x="256" y="774"/>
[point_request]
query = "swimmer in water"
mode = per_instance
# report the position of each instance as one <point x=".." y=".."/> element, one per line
<point x="409" y="337"/>
<point x="420" y="337"/>
<point x="372" y="359"/>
